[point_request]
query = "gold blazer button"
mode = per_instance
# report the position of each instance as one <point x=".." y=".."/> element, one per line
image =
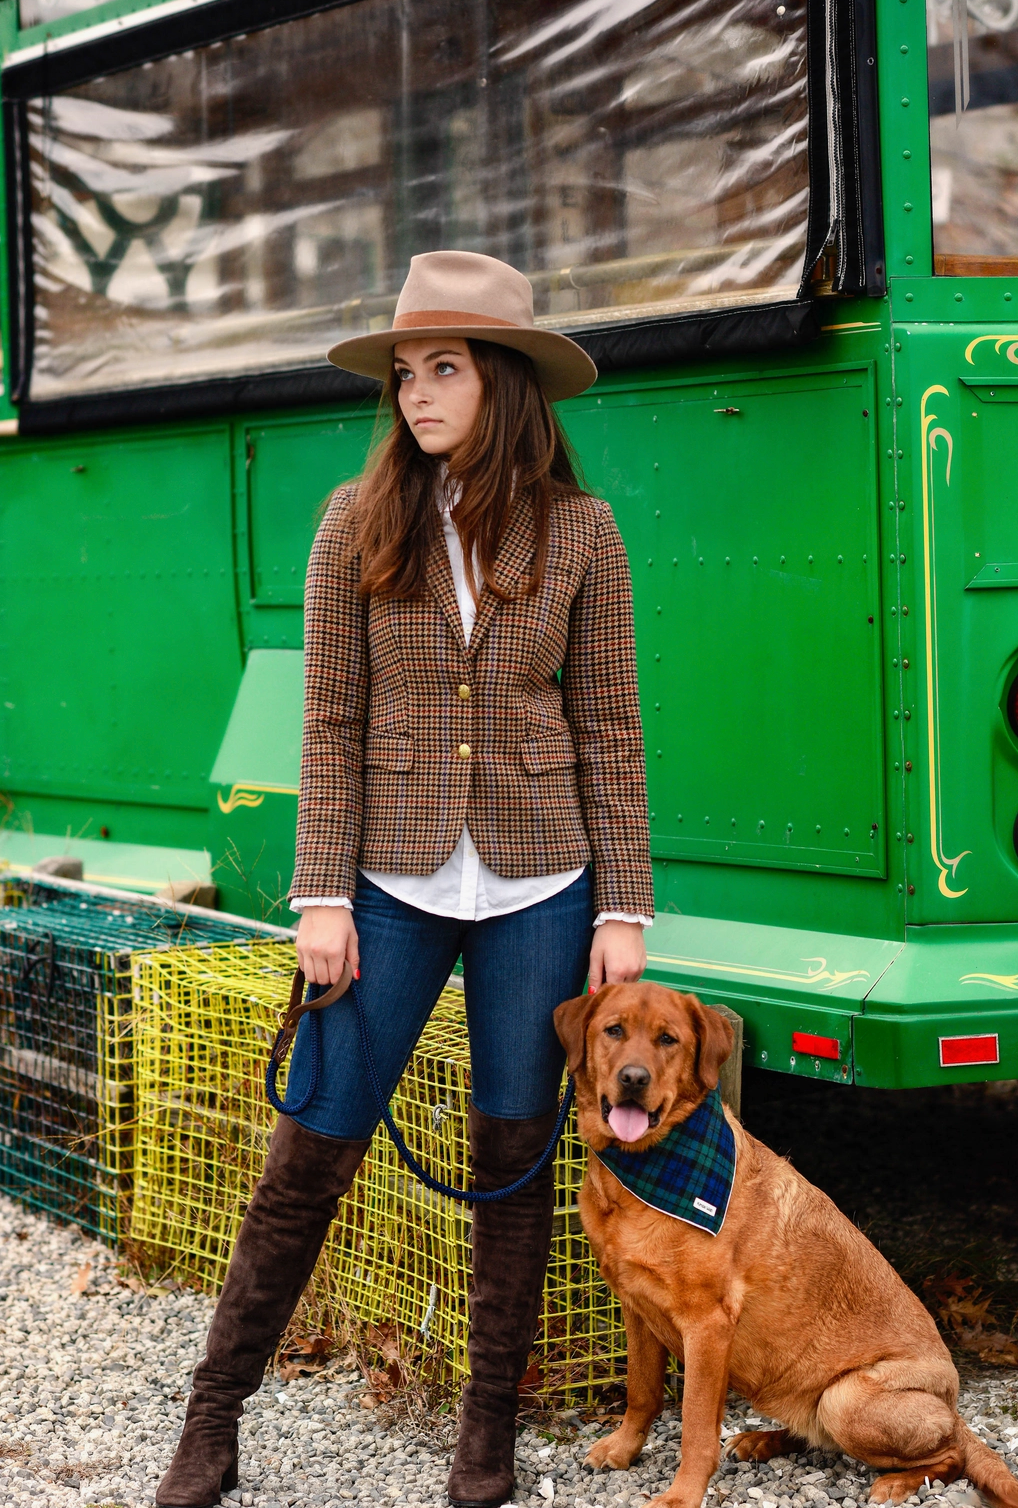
<point x="464" y="693"/>
<point x="464" y="751"/>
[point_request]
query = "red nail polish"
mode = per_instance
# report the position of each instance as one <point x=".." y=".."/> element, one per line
<point x="356" y="973"/>
<point x="591" y="990"/>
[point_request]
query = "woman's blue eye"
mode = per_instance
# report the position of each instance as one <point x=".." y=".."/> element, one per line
<point x="403" y="374"/>
<point x="443" y="367"/>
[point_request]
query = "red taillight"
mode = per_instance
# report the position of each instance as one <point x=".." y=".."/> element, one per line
<point x="961" y="1052"/>
<point x="816" y="1047"/>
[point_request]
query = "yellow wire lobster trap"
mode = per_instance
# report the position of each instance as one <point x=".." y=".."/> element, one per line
<point x="397" y="1254"/>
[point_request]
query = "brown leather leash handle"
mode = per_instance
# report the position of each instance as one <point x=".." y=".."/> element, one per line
<point x="290" y="1018"/>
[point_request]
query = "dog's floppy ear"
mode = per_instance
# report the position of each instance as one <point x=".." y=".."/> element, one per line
<point x="571" y="1019"/>
<point x="715" y="1040"/>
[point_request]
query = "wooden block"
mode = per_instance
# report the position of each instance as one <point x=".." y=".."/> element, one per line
<point x="730" y="1082"/>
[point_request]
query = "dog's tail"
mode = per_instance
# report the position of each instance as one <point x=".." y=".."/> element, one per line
<point x="986" y="1470"/>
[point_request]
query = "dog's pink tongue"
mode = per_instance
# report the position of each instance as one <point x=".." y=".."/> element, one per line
<point x="628" y="1122"/>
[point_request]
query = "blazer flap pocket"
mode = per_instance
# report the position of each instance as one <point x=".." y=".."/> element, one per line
<point x="388" y="751"/>
<point x="552" y="751"/>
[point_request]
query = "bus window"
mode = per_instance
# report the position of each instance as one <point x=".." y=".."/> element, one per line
<point x="236" y="208"/>
<point x="974" y="138"/>
<point x="36" y="12"/>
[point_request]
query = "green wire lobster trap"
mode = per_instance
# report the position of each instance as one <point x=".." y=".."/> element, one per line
<point x="66" y="1043"/>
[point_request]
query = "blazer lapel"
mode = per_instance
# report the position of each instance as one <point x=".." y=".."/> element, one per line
<point x="439" y="576"/>
<point x="515" y="553"/>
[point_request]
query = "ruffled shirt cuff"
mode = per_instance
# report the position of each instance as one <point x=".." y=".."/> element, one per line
<point x="622" y="916"/>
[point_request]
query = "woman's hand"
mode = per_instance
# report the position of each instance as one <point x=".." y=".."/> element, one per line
<point x="617" y="955"/>
<point x="326" y="940"/>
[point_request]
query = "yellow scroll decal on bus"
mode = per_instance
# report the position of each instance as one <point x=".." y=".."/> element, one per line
<point x="251" y="795"/>
<point x="930" y="437"/>
<point x="996" y="981"/>
<point x="821" y="976"/>
<point x="1011" y="341"/>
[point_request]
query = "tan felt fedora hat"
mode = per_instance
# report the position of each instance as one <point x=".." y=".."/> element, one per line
<point x="466" y="294"/>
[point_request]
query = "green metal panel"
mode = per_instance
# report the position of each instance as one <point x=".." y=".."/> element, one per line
<point x="946" y="981"/>
<point x="750" y="514"/>
<point x="141" y="866"/>
<point x="80" y="21"/>
<point x="253" y="817"/>
<point x="902" y="84"/>
<point x="781" y="980"/>
<point x="957" y="453"/>
<point x="288" y="467"/>
<point x="119" y="652"/>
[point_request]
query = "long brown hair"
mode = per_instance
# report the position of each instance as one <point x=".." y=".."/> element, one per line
<point x="515" y="449"/>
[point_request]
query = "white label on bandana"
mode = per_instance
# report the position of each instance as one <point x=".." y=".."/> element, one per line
<point x="708" y="1209"/>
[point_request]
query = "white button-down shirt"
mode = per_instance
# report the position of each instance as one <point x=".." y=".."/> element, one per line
<point x="464" y="887"/>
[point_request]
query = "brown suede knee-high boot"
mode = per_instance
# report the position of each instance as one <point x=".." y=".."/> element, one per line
<point x="277" y="1246"/>
<point x="511" y="1241"/>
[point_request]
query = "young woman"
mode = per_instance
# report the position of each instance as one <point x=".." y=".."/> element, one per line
<point x="472" y="786"/>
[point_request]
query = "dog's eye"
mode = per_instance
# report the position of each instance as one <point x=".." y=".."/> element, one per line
<point x="613" y="1031"/>
<point x="665" y="1040"/>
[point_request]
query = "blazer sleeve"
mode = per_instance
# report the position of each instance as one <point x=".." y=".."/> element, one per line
<point x="601" y="702"/>
<point x="330" y="806"/>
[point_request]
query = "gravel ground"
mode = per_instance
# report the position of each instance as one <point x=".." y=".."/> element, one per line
<point x="93" y="1384"/>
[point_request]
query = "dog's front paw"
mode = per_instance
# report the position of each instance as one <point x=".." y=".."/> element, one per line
<point x="759" y="1444"/>
<point x="616" y="1451"/>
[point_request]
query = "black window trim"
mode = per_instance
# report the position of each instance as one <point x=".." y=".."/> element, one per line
<point x="656" y="339"/>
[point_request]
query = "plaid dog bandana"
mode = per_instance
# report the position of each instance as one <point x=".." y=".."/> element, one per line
<point x="688" y="1175"/>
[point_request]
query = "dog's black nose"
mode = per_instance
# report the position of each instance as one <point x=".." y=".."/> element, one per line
<point x="634" y="1077"/>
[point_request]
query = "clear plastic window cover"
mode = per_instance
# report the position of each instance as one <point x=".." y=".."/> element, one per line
<point x="974" y="138"/>
<point x="239" y="208"/>
<point x="37" y="12"/>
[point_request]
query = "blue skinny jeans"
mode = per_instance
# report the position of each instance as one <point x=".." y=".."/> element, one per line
<point x="516" y="970"/>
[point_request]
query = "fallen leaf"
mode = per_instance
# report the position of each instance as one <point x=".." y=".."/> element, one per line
<point x="531" y="1379"/>
<point x="369" y="1401"/>
<point x="385" y="1340"/>
<point x="79" y="1283"/>
<point x="380" y="1384"/>
<point x="21" y="1235"/>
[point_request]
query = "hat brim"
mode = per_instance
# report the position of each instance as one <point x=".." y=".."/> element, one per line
<point x="563" y="368"/>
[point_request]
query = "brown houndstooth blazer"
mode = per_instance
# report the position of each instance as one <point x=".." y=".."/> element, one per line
<point x="408" y="733"/>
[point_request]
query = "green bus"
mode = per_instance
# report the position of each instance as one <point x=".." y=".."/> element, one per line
<point x="788" y="235"/>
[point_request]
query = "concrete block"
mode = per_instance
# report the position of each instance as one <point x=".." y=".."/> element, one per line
<point x="62" y="866"/>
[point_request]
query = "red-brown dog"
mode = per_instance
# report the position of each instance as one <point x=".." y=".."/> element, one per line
<point x="789" y="1301"/>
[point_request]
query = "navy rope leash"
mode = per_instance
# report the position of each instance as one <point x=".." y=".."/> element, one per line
<point x="272" y="1067"/>
<point x="465" y="1196"/>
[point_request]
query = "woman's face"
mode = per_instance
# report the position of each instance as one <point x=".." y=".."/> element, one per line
<point x="439" y="391"/>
